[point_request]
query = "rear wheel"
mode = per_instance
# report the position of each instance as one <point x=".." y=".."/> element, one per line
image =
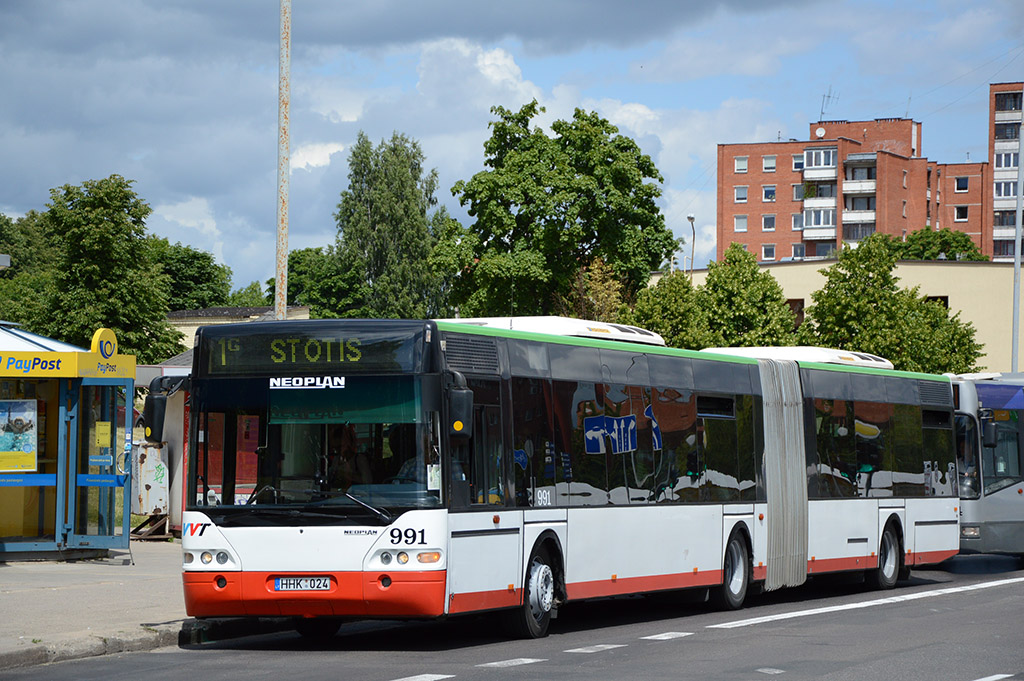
<point x="532" y="618"/>
<point x="889" y="553"/>
<point x="735" y="575"/>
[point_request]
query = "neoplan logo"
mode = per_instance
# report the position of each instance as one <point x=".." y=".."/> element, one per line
<point x="294" y="382"/>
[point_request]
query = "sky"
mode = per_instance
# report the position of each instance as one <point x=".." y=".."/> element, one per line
<point x="181" y="97"/>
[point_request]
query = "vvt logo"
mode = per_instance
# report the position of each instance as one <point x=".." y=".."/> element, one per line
<point x="193" y="529"/>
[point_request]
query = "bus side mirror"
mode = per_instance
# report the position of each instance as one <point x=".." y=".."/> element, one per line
<point x="153" y="412"/>
<point x="460" y="413"/>
<point x="988" y="433"/>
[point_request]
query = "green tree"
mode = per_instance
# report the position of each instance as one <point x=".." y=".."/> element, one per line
<point x="24" y="285"/>
<point x="105" y="274"/>
<point x="249" y="296"/>
<point x="929" y="244"/>
<point x="316" y="278"/>
<point x="742" y="305"/>
<point x="670" y="309"/>
<point x="596" y="294"/>
<point x="546" y="207"/>
<point x="383" y="236"/>
<point x="196" y="280"/>
<point x="862" y="307"/>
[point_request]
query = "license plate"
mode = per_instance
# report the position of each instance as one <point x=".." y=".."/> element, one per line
<point x="302" y="584"/>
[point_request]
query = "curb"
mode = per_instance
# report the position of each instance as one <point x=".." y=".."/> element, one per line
<point x="91" y="644"/>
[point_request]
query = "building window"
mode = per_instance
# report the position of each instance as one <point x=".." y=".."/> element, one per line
<point x="904" y="180"/>
<point x="740" y="194"/>
<point x="960" y="214"/>
<point x="1002" y="248"/>
<point x="739" y="223"/>
<point x="798" y="192"/>
<point x="821" y="217"/>
<point x="1007" y="131"/>
<point x="1005" y="218"/>
<point x="1008" y="101"/>
<point x="856" y="232"/>
<point x="798" y="251"/>
<point x="904" y="208"/>
<point x="825" y="249"/>
<point x="768" y="252"/>
<point x="1007" y="160"/>
<point x="1006" y="190"/>
<point x="767" y="223"/>
<point x="768" y="164"/>
<point x="861" y="172"/>
<point x="860" y="203"/>
<point x="798" y="221"/>
<point x="961" y="184"/>
<point x="740" y="164"/>
<point x="820" y="190"/>
<point x="798" y="161"/>
<point x="820" y="158"/>
<point x="768" y="193"/>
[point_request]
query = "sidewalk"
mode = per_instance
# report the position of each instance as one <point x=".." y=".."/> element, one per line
<point x="55" y="611"/>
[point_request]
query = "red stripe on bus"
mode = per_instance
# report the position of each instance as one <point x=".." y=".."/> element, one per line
<point x="409" y="594"/>
<point x="929" y="557"/>
<point x="485" y="600"/>
<point x="629" y="585"/>
<point x="820" y="565"/>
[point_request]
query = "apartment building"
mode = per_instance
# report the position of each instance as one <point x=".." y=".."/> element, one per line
<point x="802" y="199"/>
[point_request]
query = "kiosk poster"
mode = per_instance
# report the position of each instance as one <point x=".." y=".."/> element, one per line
<point x="18" y="436"/>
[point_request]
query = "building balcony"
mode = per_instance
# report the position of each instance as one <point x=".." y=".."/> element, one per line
<point x="1005" y="204"/>
<point x="998" y="146"/>
<point x="1004" y="232"/>
<point x="858" y="216"/>
<point x="1007" y="116"/>
<point x="820" y="233"/>
<point x="1004" y="174"/>
<point x="820" y="173"/>
<point x="859" y="186"/>
<point x="826" y="202"/>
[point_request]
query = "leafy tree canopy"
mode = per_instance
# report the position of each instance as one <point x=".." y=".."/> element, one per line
<point x="742" y="305"/>
<point x="196" y="280"/>
<point x="929" y="244"/>
<point x="249" y="296"/>
<point x="105" y="274"/>
<point x="669" y="308"/>
<point x="317" y="279"/>
<point x="383" y="236"/>
<point x="861" y="307"/>
<point x="547" y="207"/>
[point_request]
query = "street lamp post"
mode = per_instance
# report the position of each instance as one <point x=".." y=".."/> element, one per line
<point x="693" y="242"/>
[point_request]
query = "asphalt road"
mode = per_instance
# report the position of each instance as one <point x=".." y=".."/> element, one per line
<point x="960" y="622"/>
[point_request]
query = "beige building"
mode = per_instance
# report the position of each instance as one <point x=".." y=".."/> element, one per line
<point x="982" y="292"/>
<point x="187" y="321"/>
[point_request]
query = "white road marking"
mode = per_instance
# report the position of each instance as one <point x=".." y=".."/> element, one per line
<point x="996" y="677"/>
<point x="596" y="649"/>
<point x="770" y="670"/>
<point x="427" y="677"/>
<point x="866" y="604"/>
<point x="515" y="662"/>
<point x="667" y="636"/>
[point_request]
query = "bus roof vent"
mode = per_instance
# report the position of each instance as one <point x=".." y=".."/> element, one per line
<point x="471" y="354"/>
<point x="567" y="326"/>
<point x="935" y="393"/>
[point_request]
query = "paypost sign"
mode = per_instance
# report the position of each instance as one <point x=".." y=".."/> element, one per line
<point x="102" y="361"/>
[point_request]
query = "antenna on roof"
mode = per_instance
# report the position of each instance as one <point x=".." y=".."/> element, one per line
<point x="907" y="114"/>
<point x="827" y="99"/>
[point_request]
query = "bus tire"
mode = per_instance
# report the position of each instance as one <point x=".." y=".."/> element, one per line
<point x="889" y="564"/>
<point x="532" y="618"/>
<point x="735" y="575"/>
<point x="319" y="629"/>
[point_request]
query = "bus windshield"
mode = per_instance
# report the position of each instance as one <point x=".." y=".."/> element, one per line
<point x="325" y="448"/>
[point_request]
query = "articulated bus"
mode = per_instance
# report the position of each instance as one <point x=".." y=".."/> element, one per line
<point x="989" y="428"/>
<point x="423" y="469"/>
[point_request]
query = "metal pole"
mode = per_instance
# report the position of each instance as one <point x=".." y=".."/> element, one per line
<point x="1014" y="350"/>
<point x="283" y="160"/>
<point x="693" y="243"/>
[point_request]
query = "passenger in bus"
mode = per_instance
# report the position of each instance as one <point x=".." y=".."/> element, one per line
<point x="347" y="465"/>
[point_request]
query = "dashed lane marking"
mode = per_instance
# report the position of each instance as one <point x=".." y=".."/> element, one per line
<point x="667" y="636"/>
<point x="996" y="677"/>
<point x="515" y="662"/>
<point x="865" y="604"/>
<point x="596" y="649"/>
<point x="770" y="670"/>
<point x="427" y="677"/>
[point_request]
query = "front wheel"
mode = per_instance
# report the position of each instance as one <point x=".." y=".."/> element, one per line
<point x="735" y="575"/>
<point x="532" y="618"/>
<point x="889" y="552"/>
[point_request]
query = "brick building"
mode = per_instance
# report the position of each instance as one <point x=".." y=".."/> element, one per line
<point x="802" y="199"/>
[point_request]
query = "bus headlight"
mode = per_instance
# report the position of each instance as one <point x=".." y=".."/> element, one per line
<point x="188" y="558"/>
<point x="222" y="557"/>
<point x="206" y="557"/>
<point x="385" y="558"/>
<point x="970" y="531"/>
<point x="403" y="557"/>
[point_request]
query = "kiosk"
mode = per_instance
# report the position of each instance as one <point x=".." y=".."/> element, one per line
<point x="65" y="446"/>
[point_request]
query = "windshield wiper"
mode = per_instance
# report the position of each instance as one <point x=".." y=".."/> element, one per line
<point x="380" y="512"/>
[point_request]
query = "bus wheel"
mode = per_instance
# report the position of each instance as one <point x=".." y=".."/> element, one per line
<point x="888" y="570"/>
<point x="532" y="618"/>
<point x="735" y="575"/>
<point x="318" y="629"/>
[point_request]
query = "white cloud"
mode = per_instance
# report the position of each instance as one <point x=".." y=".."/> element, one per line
<point x="194" y="214"/>
<point x="315" y="155"/>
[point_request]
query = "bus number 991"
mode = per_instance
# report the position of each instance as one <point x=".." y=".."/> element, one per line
<point x="408" y="536"/>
